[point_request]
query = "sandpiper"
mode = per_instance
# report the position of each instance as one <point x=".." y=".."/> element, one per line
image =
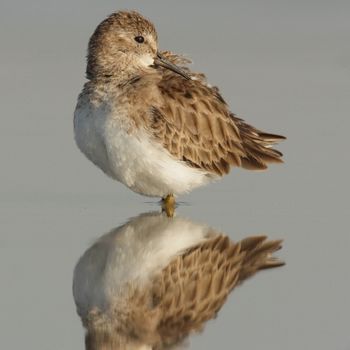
<point x="149" y="122"/>
<point x="154" y="281"/>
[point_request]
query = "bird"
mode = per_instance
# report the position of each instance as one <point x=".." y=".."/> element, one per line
<point x="152" y="282"/>
<point x="148" y="121"/>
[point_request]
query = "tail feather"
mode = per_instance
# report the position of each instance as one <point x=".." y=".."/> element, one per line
<point x="258" y="146"/>
<point x="258" y="255"/>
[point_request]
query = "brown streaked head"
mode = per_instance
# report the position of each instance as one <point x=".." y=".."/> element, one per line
<point x="116" y="47"/>
<point x="124" y="45"/>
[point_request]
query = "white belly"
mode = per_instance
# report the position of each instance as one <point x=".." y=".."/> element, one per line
<point x="132" y="158"/>
<point x="132" y="253"/>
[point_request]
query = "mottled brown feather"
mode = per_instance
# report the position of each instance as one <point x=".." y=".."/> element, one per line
<point x="194" y="114"/>
<point x="187" y="293"/>
<point x="194" y="286"/>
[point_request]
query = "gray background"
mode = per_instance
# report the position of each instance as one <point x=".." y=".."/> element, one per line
<point x="282" y="65"/>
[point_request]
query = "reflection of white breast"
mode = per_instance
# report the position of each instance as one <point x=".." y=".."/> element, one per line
<point x="130" y="253"/>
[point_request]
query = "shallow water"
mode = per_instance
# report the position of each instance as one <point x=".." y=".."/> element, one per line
<point x="283" y="67"/>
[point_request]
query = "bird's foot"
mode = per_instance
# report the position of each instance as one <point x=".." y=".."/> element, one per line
<point x="168" y="205"/>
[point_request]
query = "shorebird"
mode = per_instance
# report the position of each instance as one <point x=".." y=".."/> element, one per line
<point x="149" y="122"/>
<point x="154" y="281"/>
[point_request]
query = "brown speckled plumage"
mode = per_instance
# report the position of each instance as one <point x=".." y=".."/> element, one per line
<point x="183" y="296"/>
<point x="105" y="45"/>
<point x="193" y="122"/>
<point x="189" y="118"/>
<point x="146" y="105"/>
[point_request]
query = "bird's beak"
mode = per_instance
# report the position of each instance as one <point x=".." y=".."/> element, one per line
<point x="161" y="61"/>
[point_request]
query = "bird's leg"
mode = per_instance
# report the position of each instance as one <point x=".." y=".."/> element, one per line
<point x="168" y="205"/>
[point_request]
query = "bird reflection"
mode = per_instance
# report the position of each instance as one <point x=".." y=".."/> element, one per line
<point x="155" y="280"/>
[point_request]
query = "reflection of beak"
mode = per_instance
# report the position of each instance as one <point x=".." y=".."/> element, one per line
<point x="163" y="62"/>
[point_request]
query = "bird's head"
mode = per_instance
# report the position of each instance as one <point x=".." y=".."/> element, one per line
<point x="124" y="45"/>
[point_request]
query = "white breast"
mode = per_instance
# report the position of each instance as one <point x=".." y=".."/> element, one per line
<point x="89" y="124"/>
<point x="130" y="254"/>
<point x="131" y="156"/>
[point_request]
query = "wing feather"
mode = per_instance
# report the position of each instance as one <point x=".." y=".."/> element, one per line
<point x="194" y="114"/>
<point x="194" y="286"/>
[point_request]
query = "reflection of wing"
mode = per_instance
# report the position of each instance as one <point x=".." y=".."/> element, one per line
<point x="193" y="122"/>
<point x="194" y="286"/>
<point x="153" y="281"/>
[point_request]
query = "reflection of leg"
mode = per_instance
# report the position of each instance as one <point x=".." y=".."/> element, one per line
<point x="168" y="205"/>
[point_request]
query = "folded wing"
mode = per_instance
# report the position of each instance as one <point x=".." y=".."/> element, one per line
<point x="193" y="122"/>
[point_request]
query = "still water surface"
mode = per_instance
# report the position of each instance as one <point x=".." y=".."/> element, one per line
<point x="284" y="67"/>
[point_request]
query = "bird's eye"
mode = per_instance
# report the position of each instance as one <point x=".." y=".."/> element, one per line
<point x="140" y="39"/>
